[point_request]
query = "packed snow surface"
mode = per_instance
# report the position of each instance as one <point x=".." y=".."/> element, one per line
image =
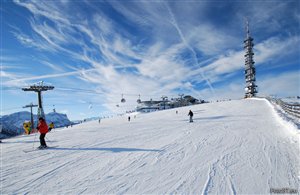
<point x="234" y="147"/>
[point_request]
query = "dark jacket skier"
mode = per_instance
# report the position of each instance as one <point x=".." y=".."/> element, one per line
<point x="191" y="114"/>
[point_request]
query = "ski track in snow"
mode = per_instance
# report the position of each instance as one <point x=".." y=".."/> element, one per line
<point x="235" y="147"/>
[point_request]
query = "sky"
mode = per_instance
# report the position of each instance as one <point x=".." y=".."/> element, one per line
<point x="96" y="52"/>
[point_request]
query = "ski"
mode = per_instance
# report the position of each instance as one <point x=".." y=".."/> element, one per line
<point x="38" y="149"/>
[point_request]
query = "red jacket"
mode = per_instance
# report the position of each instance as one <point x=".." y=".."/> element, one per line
<point x="43" y="127"/>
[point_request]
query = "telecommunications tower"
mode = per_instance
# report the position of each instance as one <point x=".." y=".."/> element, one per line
<point x="249" y="65"/>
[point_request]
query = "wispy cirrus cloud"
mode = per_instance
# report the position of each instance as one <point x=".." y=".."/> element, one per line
<point x="265" y="51"/>
<point x="153" y="48"/>
<point x="14" y="80"/>
<point x="276" y="48"/>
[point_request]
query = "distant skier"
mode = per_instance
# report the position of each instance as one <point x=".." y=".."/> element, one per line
<point x="43" y="129"/>
<point x="129" y="118"/>
<point x="176" y="111"/>
<point x="99" y="120"/>
<point x="191" y="114"/>
<point x="51" y="126"/>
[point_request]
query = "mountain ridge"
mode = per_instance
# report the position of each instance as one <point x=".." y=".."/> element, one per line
<point x="12" y="124"/>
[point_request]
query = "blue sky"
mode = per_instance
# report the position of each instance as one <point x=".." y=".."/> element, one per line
<point x="95" y="51"/>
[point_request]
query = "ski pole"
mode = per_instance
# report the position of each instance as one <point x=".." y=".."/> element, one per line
<point x="34" y="140"/>
<point x="47" y="139"/>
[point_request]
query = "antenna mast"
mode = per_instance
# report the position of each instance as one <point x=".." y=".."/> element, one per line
<point x="249" y="65"/>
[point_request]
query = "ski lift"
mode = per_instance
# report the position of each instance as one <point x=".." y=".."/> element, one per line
<point x="139" y="100"/>
<point x="123" y="99"/>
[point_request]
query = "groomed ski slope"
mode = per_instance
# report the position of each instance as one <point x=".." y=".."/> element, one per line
<point x="234" y="147"/>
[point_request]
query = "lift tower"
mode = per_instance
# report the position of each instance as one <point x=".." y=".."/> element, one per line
<point x="250" y="88"/>
<point x="39" y="87"/>
<point x="31" y="116"/>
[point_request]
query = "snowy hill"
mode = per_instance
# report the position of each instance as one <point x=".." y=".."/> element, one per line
<point x="59" y="119"/>
<point x="13" y="124"/>
<point x="235" y="147"/>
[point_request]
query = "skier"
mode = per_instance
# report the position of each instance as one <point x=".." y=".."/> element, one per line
<point x="27" y="127"/>
<point x="191" y="114"/>
<point x="51" y="126"/>
<point x="43" y="129"/>
<point x="129" y="118"/>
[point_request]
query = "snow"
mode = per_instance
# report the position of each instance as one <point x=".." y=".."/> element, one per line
<point x="234" y="147"/>
<point x="286" y="119"/>
<point x="293" y="100"/>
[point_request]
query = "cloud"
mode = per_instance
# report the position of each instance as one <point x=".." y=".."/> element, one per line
<point x="64" y="111"/>
<point x="43" y="9"/>
<point x="17" y="81"/>
<point x="272" y="49"/>
<point x="190" y="48"/>
<point x="283" y="85"/>
<point x="210" y="40"/>
<point x="54" y="67"/>
<point x="276" y="15"/>
<point x="9" y="76"/>
<point x="6" y="74"/>
<point x="275" y="48"/>
<point x="30" y="42"/>
<point x="141" y="13"/>
<point x="157" y="48"/>
<point x="232" y="90"/>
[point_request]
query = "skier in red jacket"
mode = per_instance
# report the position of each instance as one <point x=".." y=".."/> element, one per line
<point x="43" y="129"/>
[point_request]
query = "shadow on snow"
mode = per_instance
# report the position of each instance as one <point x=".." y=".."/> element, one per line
<point x="207" y="118"/>
<point x="7" y="141"/>
<point x="108" y="149"/>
